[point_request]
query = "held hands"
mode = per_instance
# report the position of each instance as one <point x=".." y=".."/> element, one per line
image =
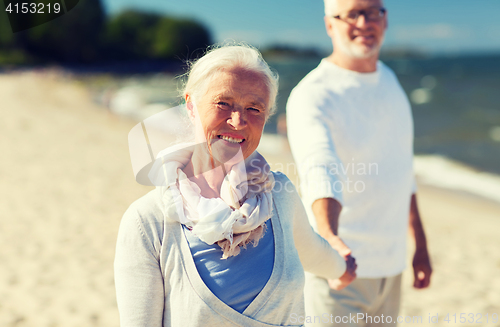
<point x="422" y="269"/>
<point x="350" y="272"/>
<point x="347" y="277"/>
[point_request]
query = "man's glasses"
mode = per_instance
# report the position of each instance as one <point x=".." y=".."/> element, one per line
<point x="371" y="15"/>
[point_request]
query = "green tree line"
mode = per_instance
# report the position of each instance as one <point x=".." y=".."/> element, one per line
<point x="86" y="35"/>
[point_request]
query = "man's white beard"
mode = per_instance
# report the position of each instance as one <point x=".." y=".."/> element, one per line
<point x="359" y="51"/>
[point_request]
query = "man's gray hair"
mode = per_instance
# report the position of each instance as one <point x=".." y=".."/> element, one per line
<point x="227" y="57"/>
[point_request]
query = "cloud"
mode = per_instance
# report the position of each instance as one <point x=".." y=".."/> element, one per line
<point x="434" y="31"/>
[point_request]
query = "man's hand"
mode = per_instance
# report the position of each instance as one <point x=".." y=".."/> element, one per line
<point x="422" y="269"/>
<point x="347" y="277"/>
<point x="350" y="271"/>
<point x="327" y="213"/>
<point x="421" y="263"/>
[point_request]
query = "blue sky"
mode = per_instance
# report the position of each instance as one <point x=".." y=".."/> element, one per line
<point x="436" y="26"/>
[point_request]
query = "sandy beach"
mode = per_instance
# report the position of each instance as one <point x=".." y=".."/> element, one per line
<point x="67" y="179"/>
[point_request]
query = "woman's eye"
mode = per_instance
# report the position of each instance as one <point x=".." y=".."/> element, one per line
<point x="223" y="104"/>
<point x="255" y="110"/>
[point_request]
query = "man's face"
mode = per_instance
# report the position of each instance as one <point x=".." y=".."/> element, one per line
<point x="362" y="39"/>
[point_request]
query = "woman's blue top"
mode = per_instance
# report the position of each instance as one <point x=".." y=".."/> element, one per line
<point x="236" y="280"/>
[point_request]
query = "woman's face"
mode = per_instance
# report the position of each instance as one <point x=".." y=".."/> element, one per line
<point x="232" y="112"/>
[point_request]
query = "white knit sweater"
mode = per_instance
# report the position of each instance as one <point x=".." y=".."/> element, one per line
<point x="351" y="135"/>
<point x="157" y="283"/>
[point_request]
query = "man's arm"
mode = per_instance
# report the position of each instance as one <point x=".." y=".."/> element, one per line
<point x="422" y="269"/>
<point x="327" y="212"/>
<point x="316" y="157"/>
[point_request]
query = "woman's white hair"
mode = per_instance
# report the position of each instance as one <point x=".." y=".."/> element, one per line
<point x="227" y="57"/>
<point x="330" y="7"/>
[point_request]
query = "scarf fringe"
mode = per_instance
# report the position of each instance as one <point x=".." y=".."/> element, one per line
<point x="241" y="241"/>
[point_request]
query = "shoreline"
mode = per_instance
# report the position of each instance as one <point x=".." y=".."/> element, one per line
<point x="430" y="170"/>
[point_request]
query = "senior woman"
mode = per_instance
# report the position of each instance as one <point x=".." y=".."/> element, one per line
<point x="221" y="241"/>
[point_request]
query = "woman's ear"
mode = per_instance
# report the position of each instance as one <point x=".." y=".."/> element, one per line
<point x="190" y="107"/>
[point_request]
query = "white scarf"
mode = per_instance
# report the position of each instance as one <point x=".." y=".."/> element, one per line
<point x="232" y="221"/>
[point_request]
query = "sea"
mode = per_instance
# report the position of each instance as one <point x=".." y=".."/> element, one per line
<point x="455" y="104"/>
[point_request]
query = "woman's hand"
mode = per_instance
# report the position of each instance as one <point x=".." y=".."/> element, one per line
<point x="347" y="277"/>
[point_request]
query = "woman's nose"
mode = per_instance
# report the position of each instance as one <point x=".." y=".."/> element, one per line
<point x="237" y="120"/>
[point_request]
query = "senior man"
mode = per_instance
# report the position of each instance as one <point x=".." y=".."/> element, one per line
<point x="351" y="133"/>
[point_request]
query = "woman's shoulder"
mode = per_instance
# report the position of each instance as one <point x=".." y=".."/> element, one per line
<point x="145" y="214"/>
<point x="283" y="189"/>
<point x="278" y="175"/>
<point x="148" y="206"/>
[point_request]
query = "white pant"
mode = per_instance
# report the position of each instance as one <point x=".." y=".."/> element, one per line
<point x="365" y="302"/>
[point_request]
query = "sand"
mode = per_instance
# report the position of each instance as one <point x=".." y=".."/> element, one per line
<point x="67" y="179"/>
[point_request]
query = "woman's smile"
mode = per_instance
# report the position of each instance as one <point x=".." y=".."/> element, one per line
<point x="231" y="139"/>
